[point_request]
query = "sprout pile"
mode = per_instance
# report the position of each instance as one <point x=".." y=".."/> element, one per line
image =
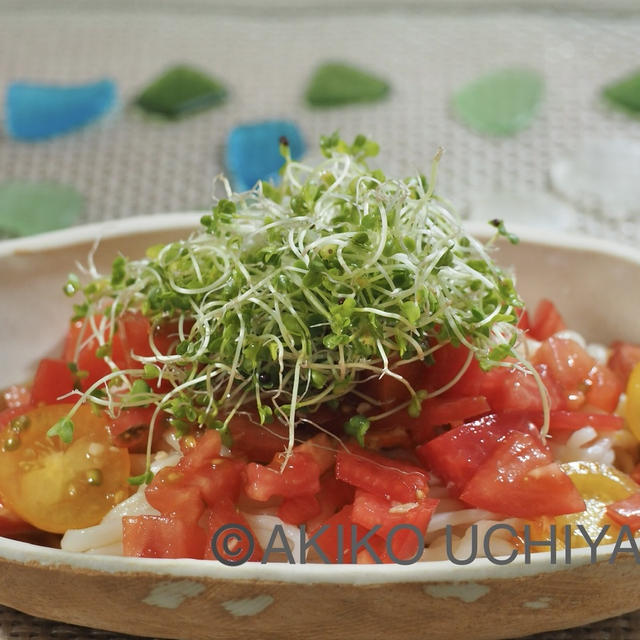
<point x="291" y="296"/>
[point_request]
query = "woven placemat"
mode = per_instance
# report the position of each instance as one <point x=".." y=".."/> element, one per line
<point x="131" y="164"/>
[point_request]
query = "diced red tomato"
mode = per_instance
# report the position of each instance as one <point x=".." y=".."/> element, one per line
<point x="8" y="415"/>
<point x="299" y="510"/>
<point x="225" y="513"/>
<point x="337" y="536"/>
<point x="259" y="443"/>
<point x="456" y="455"/>
<point x="578" y="374"/>
<point x="370" y="510"/>
<point x="626" y="511"/>
<point x="222" y="478"/>
<point x="333" y="495"/>
<point x="389" y="434"/>
<point x="435" y="412"/>
<point x="162" y="537"/>
<point x="80" y="348"/>
<point x="568" y="362"/>
<point x="206" y="449"/>
<point x="503" y="387"/>
<point x="383" y="476"/>
<point x="389" y="390"/>
<point x="635" y="474"/>
<point x="524" y="322"/>
<point x="130" y="338"/>
<point x="300" y="477"/>
<point x="603" y="388"/>
<point x="624" y="357"/>
<point x="546" y="321"/>
<point x="200" y="478"/>
<point x="131" y="428"/>
<point x="521" y="479"/>
<point x="53" y="379"/>
<point x="574" y="420"/>
<point x="322" y="449"/>
<point x="447" y="411"/>
<point x="172" y="494"/>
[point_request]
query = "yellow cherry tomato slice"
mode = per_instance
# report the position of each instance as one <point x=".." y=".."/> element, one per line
<point x="56" y="486"/>
<point x="632" y="406"/>
<point x="599" y="485"/>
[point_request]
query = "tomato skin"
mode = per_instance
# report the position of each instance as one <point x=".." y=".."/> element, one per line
<point x="53" y="379"/>
<point x="226" y="513"/>
<point x="301" y="476"/>
<point x="546" y="321"/>
<point x="162" y="537"/>
<point x="521" y="479"/>
<point x="624" y="357"/>
<point x="370" y="510"/>
<point x="383" y="476"/>
<point x="456" y="455"/>
<point x="626" y="511"/>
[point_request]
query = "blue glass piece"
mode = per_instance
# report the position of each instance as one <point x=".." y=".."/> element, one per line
<point x="37" y="111"/>
<point x="253" y="151"/>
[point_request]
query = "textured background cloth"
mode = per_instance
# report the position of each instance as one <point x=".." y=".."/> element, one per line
<point x="131" y="164"/>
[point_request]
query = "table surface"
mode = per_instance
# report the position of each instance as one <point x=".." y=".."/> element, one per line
<point x="131" y="164"/>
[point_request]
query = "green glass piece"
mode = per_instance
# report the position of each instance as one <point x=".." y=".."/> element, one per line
<point x="335" y="84"/>
<point x="500" y="103"/>
<point x="34" y="207"/>
<point x="625" y="94"/>
<point x="180" y="91"/>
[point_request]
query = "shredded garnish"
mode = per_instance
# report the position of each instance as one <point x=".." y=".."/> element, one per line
<point x="290" y="296"/>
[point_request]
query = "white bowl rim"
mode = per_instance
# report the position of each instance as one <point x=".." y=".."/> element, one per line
<point x="441" y="571"/>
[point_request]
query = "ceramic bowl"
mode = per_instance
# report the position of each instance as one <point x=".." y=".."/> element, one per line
<point x="595" y="285"/>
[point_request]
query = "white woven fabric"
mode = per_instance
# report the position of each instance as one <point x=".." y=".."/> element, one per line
<point x="132" y="164"/>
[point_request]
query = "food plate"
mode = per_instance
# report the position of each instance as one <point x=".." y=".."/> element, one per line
<point x="595" y="283"/>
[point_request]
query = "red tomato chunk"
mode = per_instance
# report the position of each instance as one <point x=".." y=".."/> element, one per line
<point x="391" y="479"/>
<point x="521" y="479"/>
<point x="626" y="512"/>
<point x="162" y="537"/>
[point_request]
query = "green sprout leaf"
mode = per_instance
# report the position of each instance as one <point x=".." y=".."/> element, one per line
<point x="357" y="426"/>
<point x="63" y="429"/>
<point x="502" y="230"/>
